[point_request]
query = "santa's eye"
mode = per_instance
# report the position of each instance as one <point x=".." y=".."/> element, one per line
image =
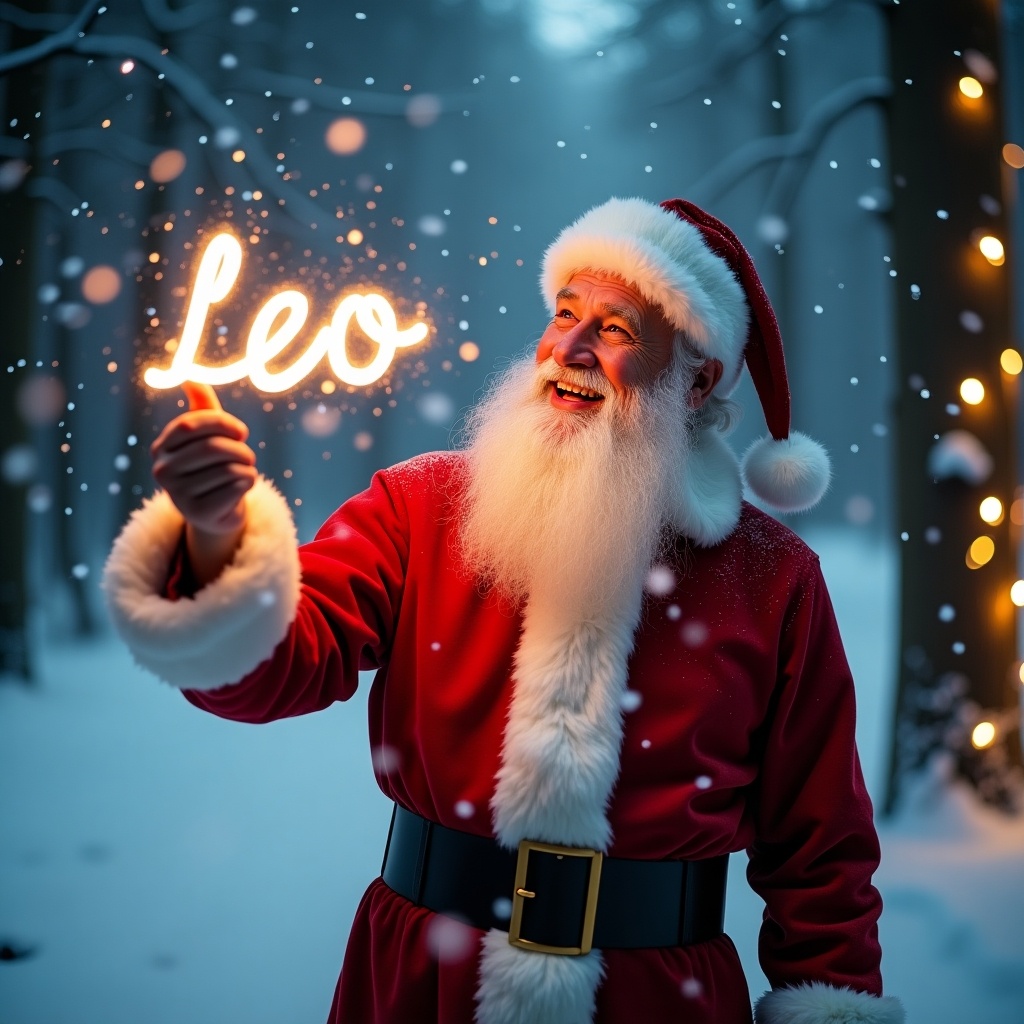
<point x="566" y="314"/>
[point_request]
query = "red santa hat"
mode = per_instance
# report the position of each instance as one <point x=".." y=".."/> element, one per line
<point x="697" y="270"/>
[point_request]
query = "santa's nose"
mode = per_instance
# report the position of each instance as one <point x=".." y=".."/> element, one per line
<point x="576" y="346"/>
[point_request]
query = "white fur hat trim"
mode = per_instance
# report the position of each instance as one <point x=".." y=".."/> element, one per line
<point x="667" y="260"/>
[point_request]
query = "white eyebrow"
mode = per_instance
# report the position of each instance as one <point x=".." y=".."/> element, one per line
<point x="623" y="312"/>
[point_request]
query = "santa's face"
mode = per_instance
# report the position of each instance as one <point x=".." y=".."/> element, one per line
<point x="606" y="338"/>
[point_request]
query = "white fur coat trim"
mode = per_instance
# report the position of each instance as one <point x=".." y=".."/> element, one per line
<point x="233" y="623"/>
<point x="518" y="987"/>
<point x="560" y="759"/>
<point x="817" y="1003"/>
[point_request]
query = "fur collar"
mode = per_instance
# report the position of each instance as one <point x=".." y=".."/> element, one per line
<point x="562" y="744"/>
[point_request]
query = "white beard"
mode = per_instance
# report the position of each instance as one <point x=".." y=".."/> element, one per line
<point x="565" y="512"/>
<point x="571" y="506"/>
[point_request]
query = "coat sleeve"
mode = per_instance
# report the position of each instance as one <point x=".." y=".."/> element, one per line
<point x="283" y="630"/>
<point x="816" y="848"/>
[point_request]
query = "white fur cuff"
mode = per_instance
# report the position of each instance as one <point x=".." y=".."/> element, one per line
<point x="818" y="1003"/>
<point x="233" y="623"/>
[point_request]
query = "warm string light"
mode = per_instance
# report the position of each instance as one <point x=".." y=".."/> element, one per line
<point x="1011" y="362"/>
<point x="980" y="552"/>
<point x="991" y="510"/>
<point x="972" y="391"/>
<point x="992" y="249"/>
<point x="971" y="88"/>
<point x="276" y="325"/>
<point x="983" y="735"/>
<point x="1017" y="596"/>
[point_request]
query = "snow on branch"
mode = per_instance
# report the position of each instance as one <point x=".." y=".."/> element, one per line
<point x="789" y="149"/>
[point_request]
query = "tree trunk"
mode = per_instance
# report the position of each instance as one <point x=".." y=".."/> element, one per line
<point x="958" y="661"/>
<point x="20" y="102"/>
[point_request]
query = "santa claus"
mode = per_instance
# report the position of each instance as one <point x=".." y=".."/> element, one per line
<point x="599" y="671"/>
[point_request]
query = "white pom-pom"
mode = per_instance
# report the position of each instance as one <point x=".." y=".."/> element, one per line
<point x="791" y="475"/>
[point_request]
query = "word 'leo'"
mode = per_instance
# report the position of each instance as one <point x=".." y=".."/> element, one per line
<point x="218" y="270"/>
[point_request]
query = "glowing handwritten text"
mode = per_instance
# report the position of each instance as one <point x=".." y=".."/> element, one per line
<point x="218" y="270"/>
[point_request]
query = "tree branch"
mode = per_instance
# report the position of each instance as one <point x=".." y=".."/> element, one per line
<point x="12" y="147"/>
<point x="803" y="142"/>
<point x="736" y="47"/>
<point x="331" y="97"/>
<point x="196" y="94"/>
<point x="808" y="138"/>
<point x="103" y="141"/>
<point x="55" y="191"/>
<point x="30" y="21"/>
<point x="164" y="18"/>
<point x="63" y="39"/>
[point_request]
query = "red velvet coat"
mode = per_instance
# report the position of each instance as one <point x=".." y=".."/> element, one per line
<point x="743" y="740"/>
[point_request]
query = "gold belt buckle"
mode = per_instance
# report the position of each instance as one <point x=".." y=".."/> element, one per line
<point x="520" y="894"/>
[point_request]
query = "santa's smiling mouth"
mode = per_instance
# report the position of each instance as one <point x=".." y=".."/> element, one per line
<point x="576" y="393"/>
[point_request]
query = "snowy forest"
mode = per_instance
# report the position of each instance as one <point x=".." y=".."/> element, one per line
<point x="158" y="864"/>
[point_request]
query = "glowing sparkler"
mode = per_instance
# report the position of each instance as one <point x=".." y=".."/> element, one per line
<point x="270" y="335"/>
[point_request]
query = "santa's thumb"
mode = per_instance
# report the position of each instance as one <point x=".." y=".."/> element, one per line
<point x="200" y="396"/>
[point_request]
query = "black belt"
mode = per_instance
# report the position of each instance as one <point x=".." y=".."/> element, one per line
<point x="556" y="899"/>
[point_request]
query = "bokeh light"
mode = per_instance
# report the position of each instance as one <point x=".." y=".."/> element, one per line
<point x="972" y="391"/>
<point x="1011" y="362"/>
<point x="166" y="166"/>
<point x="991" y="510"/>
<point x="980" y="552"/>
<point x="345" y="136"/>
<point x="992" y="249"/>
<point x="971" y="87"/>
<point x="983" y="735"/>
<point x="101" y="284"/>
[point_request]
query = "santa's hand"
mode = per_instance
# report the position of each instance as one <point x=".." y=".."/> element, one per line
<point x="203" y="463"/>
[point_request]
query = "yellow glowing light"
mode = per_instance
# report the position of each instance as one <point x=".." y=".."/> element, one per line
<point x="469" y="351"/>
<point x="980" y="552"/>
<point x="983" y="735"/>
<point x="1011" y="362"/>
<point x="105" y="123"/>
<point x="354" y="237"/>
<point x="345" y="136"/>
<point x="991" y="510"/>
<point x="972" y="391"/>
<point x="1017" y="596"/>
<point x="992" y="249"/>
<point x="238" y="156"/>
<point x="127" y="66"/>
<point x="971" y="87"/>
<point x="276" y="325"/>
<point x="1020" y="672"/>
<point x="482" y="261"/>
<point x="1013" y="155"/>
<point x="328" y="387"/>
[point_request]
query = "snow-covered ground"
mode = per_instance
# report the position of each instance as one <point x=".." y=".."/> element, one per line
<point x="169" y="867"/>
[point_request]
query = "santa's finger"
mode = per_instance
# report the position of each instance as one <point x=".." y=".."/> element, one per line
<point x="200" y="396"/>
